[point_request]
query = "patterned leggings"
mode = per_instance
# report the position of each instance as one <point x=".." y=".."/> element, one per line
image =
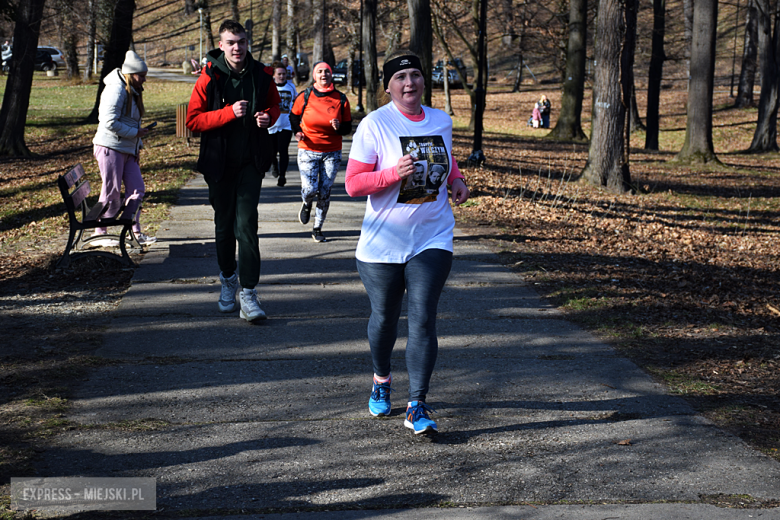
<point x="318" y="172"/>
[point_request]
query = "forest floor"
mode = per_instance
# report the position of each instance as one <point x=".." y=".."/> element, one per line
<point x="683" y="277"/>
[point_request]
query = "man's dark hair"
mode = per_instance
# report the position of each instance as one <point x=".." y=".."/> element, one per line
<point x="278" y="65"/>
<point x="231" y="26"/>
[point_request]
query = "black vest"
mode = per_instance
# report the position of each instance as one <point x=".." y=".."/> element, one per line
<point x="213" y="143"/>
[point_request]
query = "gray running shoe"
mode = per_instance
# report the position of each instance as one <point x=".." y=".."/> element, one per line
<point x="227" y="299"/>
<point x="250" y="308"/>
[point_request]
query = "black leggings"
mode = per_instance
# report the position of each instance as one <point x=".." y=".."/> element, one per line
<point x="282" y="143"/>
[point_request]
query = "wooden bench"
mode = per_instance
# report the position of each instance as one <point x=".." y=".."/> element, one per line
<point x="76" y="202"/>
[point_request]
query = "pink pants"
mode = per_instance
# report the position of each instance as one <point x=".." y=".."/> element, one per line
<point x="116" y="168"/>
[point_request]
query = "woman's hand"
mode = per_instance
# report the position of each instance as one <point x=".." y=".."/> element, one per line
<point x="405" y="166"/>
<point x="460" y="192"/>
<point x="299" y="136"/>
<point x="142" y="132"/>
<point x="335" y="123"/>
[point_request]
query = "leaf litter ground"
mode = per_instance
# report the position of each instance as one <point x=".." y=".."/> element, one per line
<point x="683" y="277"/>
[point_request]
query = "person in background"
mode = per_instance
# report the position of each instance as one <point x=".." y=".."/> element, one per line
<point x="406" y="238"/>
<point x="118" y="142"/>
<point x="289" y="68"/>
<point x="281" y="132"/>
<point x="536" y="115"/>
<point x="319" y="118"/>
<point x="232" y="105"/>
<point x="545" y="107"/>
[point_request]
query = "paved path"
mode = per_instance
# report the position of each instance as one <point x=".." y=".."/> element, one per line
<point x="235" y="419"/>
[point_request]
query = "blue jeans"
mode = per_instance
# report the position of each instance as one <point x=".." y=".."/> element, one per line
<point x="318" y="173"/>
<point x="423" y="279"/>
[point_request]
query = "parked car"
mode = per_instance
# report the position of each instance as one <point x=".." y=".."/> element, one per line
<point x="340" y="73"/>
<point x="42" y="61"/>
<point x="302" y="66"/>
<point x="437" y="78"/>
<point x="56" y="55"/>
<point x="437" y="75"/>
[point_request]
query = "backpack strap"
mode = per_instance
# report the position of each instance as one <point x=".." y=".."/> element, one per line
<point x="307" y="93"/>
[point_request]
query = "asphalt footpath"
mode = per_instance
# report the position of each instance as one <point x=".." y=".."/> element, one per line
<point x="538" y="419"/>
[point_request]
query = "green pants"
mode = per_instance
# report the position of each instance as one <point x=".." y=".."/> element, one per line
<point x="234" y="199"/>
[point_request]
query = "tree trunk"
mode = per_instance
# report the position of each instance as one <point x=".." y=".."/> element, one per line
<point x="636" y="120"/>
<point x="70" y="38"/>
<point x="520" y="44"/>
<point x="276" y="32"/>
<point x="207" y="27"/>
<point x="440" y="37"/>
<point x="747" y="75"/>
<point x="765" y="136"/>
<point x="91" y="35"/>
<point x="350" y="65"/>
<point x="655" y="74"/>
<point x="688" y="31"/>
<point x="318" y="22"/>
<point x="421" y="39"/>
<point x="607" y="163"/>
<point x="369" y="54"/>
<point x="291" y="31"/>
<point x="118" y="45"/>
<point x="569" y="124"/>
<point x="447" y="96"/>
<point x="234" y="11"/>
<point x="698" y="147"/>
<point x="16" y="99"/>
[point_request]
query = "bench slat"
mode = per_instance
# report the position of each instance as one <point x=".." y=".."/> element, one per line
<point x="73" y="176"/>
<point x="80" y="193"/>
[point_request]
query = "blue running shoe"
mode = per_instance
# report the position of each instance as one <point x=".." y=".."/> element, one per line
<point x="417" y="418"/>
<point x="379" y="402"/>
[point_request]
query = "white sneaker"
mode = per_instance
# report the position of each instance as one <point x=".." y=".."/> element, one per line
<point x="105" y="242"/>
<point x="145" y="240"/>
<point x="250" y="309"/>
<point x="227" y="299"/>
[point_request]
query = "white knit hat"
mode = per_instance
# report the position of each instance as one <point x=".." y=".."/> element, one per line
<point x="133" y="64"/>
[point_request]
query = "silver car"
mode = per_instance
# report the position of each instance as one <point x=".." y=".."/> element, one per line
<point x="56" y="55"/>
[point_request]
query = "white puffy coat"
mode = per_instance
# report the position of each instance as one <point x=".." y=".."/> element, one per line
<point x="116" y="129"/>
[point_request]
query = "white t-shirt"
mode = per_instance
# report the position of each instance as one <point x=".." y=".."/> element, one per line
<point x="412" y="215"/>
<point x="287" y="93"/>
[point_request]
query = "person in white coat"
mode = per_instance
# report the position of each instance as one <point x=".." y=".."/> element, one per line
<point x="117" y="142"/>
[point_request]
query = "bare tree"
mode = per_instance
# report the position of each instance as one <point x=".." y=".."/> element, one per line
<point x="698" y="147"/>
<point x="608" y="163"/>
<point x="569" y="125"/>
<point x="69" y="36"/>
<point x="446" y="75"/>
<point x="118" y="45"/>
<point x="369" y="54"/>
<point x="291" y="37"/>
<point x="747" y="74"/>
<point x="16" y="99"/>
<point x="318" y="21"/>
<point x="276" y="33"/>
<point x="92" y="10"/>
<point x="421" y="39"/>
<point x="765" y="136"/>
<point x="520" y="48"/>
<point x="234" y="11"/>
<point x="655" y="74"/>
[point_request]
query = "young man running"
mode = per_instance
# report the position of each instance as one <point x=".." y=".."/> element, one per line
<point x="233" y="104"/>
